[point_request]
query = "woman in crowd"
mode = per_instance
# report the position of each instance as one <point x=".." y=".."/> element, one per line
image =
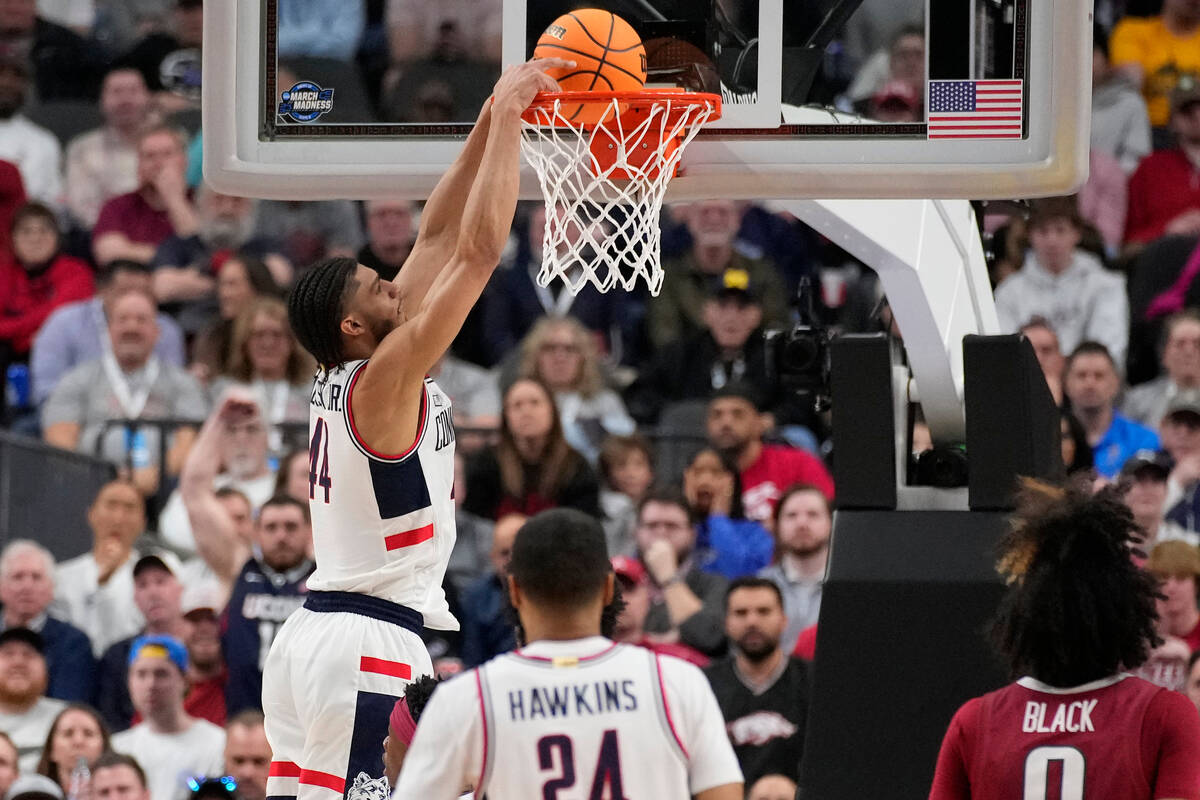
<point x="35" y="278"/>
<point x="561" y="353"/>
<point x="266" y="357"/>
<point x="626" y="471"/>
<point x="726" y="542"/>
<point x="1076" y="452"/>
<point x="242" y="279"/>
<point x="533" y="467"/>
<point x="78" y="734"/>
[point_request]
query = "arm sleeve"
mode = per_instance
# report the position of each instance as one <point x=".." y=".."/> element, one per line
<point x="447" y="751"/>
<point x="700" y="727"/>
<point x="1109" y="321"/>
<point x="170" y="341"/>
<point x="705" y="630"/>
<point x="950" y="776"/>
<point x="1139" y="225"/>
<point x="73" y="677"/>
<point x="49" y="359"/>
<point x="1006" y="308"/>
<point x="68" y="401"/>
<point x="1176" y="772"/>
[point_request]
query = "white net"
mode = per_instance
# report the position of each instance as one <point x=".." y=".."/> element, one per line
<point x="604" y="185"/>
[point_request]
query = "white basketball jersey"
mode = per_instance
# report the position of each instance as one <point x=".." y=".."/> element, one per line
<point x="580" y="720"/>
<point x="383" y="524"/>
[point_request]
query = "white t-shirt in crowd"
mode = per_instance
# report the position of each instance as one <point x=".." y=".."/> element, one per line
<point x="28" y="731"/>
<point x="105" y="613"/>
<point x="169" y="759"/>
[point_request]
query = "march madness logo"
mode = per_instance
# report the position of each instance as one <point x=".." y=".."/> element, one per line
<point x="305" y="102"/>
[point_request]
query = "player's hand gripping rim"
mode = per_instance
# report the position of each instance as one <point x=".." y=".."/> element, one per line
<point x="520" y="83"/>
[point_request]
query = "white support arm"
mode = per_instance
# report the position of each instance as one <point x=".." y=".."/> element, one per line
<point x="930" y="260"/>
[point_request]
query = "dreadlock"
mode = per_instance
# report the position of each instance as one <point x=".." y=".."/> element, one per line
<point x="1078" y="609"/>
<point x="316" y="305"/>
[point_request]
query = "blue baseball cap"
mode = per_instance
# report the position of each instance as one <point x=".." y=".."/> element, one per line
<point x="167" y="647"/>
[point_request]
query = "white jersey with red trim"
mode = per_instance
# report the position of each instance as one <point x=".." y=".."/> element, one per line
<point x="383" y="523"/>
<point x="585" y="718"/>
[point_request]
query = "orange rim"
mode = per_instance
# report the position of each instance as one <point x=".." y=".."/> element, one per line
<point x="679" y="99"/>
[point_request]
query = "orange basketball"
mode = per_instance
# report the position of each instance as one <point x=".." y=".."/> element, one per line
<point x="607" y="52"/>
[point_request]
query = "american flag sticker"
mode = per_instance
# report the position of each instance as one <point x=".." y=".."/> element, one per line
<point x="976" y="109"/>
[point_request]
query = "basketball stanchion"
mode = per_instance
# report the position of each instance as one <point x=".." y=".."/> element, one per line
<point x="604" y="182"/>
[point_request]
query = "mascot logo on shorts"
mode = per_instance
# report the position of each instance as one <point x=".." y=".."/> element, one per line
<point x="305" y="102"/>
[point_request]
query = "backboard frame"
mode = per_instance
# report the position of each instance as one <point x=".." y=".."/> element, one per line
<point x="739" y="163"/>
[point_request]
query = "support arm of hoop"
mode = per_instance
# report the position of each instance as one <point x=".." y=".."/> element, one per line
<point x="930" y="260"/>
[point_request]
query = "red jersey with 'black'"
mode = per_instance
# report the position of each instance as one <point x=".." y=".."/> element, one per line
<point x="1120" y="737"/>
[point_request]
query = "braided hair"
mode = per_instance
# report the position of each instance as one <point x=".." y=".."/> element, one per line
<point x="1078" y="609"/>
<point x="316" y="305"/>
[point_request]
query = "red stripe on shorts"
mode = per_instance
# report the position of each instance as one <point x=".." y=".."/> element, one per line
<point x="409" y="538"/>
<point x="283" y="769"/>
<point x="382" y="666"/>
<point x="323" y="779"/>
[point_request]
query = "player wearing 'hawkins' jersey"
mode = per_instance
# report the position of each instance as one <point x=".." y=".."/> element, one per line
<point x="571" y="714"/>
<point x="1075" y="728"/>
<point x="381" y="463"/>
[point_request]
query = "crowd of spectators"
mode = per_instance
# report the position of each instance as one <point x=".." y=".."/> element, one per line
<point x="142" y="322"/>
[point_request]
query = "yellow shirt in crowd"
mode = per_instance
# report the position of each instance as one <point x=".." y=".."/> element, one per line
<point x="1162" y="55"/>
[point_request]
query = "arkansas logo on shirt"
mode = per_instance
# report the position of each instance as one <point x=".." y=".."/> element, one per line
<point x="759" y="728"/>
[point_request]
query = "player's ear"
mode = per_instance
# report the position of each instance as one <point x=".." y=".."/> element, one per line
<point x="514" y="593"/>
<point x="351" y="326"/>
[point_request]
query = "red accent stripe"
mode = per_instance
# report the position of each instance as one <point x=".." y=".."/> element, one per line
<point x="409" y="538"/>
<point x="323" y="779"/>
<point x="283" y="769"/>
<point x="354" y="428"/>
<point x="662" y="688"/>
<point x="933" y="127"/>
<point x="479" y="787"/>
<point x="382" y="666"/>
<point x="1013" y="92"/>
<point x="973" y="118"/>
<point x="546" y="659"/>
<point x="974" y="136"/>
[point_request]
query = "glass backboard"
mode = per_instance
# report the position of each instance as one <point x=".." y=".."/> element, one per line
<point x="826" y="99"/>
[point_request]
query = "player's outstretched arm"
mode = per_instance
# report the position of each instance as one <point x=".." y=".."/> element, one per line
<point x="212" y="527"/>
<point x="413" y="349"/>
<point x="441" y="218"/>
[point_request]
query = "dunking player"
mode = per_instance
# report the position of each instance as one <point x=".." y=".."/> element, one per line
<point x="571" y="713"/>
<point x="381" y="463"/>
<point x="1075" y="727"/>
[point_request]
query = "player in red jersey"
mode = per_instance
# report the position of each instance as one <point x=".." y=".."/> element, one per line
<point x="1076" y="727"/>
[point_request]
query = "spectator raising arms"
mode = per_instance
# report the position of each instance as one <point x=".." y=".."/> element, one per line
<point x="533" y="467"/>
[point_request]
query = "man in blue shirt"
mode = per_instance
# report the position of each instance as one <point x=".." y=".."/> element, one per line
<point x="1092" y="385"/>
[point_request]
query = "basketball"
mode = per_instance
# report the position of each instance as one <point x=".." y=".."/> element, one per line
<point x="607" y="52"/>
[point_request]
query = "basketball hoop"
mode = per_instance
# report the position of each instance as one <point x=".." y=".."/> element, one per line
<point x="604" y="181"/>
